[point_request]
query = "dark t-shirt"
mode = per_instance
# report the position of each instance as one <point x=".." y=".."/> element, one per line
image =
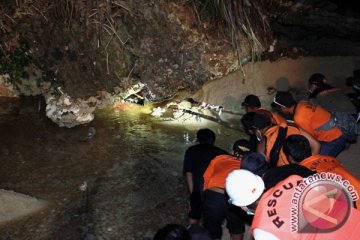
<point x="276" y="175"/>
<point x="197" y="159"/>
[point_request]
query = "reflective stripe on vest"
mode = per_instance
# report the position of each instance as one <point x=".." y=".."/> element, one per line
<point x="328" y="125"/>
<point x="310" y="117"/>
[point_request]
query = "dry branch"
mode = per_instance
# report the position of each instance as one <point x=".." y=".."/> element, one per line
<point x="10" y="18"/>
<point x="116" y="34"/>
<point x="36" y="9"/>
<point x="93" y="14"/>
<point x="107" y="64"/>
<point x="107" y="44"/>
<point x="122" y="6"/>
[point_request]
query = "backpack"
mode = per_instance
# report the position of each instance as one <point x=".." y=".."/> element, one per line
<point x="345" y="122"/>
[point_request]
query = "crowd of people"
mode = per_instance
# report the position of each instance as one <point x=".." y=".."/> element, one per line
<point x="250" y="185"/>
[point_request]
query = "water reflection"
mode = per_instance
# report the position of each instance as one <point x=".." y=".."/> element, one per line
<point x="132" y="166"/>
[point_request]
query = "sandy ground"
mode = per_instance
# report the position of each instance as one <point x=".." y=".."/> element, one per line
<point x="283" y="74"/>
<point x="351" y="159"/>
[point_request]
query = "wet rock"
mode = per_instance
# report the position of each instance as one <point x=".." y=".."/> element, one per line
<point x="15" y="205"/>
<point x="68" y="112"/>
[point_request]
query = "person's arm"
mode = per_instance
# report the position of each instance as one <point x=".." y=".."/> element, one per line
<point x="189" y="181"/>
<point x="314" y="144"/>
<point x="187" y="171"/>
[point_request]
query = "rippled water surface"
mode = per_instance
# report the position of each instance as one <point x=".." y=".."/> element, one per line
<point x="132" y="167"/>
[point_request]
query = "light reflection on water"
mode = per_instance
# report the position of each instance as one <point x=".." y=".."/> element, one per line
<point x="149" y="132"/>
<point x="127" y="151"/>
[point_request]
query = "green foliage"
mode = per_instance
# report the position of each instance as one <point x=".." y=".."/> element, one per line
<point x="14" y="62"/>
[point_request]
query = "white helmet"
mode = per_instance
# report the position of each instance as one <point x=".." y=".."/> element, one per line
<point x="243" y="187"/>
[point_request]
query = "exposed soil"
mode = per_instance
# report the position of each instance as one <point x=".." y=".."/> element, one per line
<point x="89" y="46"/>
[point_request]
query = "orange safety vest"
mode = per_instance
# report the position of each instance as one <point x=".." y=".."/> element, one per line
<point x="276" y="118"/>
<point x="271" y="135"/>
<point x="274" y="215"/>
<point x="218" y="169"/>
<point x="323" y="163"/>
<point x="310" y="117"/>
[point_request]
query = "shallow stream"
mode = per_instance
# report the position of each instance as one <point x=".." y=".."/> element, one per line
<point x="128" y="163"/>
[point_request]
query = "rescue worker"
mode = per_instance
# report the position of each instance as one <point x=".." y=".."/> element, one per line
<point x="255" y="163"/>
<point x="252" y="104"/>
<point x="331" y="98"/>
<point x="272" y="208"/>
<point x="297" y="150"/>
<point x="312" y="119"/>
<point x="196" y="160"/>
<point x="272" y="137"/>
<point x="216" y="207"/>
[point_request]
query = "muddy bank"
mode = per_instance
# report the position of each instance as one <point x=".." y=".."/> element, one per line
<point x="282" y="74"/>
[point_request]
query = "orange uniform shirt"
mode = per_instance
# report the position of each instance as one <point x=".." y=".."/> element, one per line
<point x="276" y="118"/>
<point x="218" y="169"/>
<point x="322" y="163"/>
<point x="310" y="117"/>
<point x="271" y="134"/>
